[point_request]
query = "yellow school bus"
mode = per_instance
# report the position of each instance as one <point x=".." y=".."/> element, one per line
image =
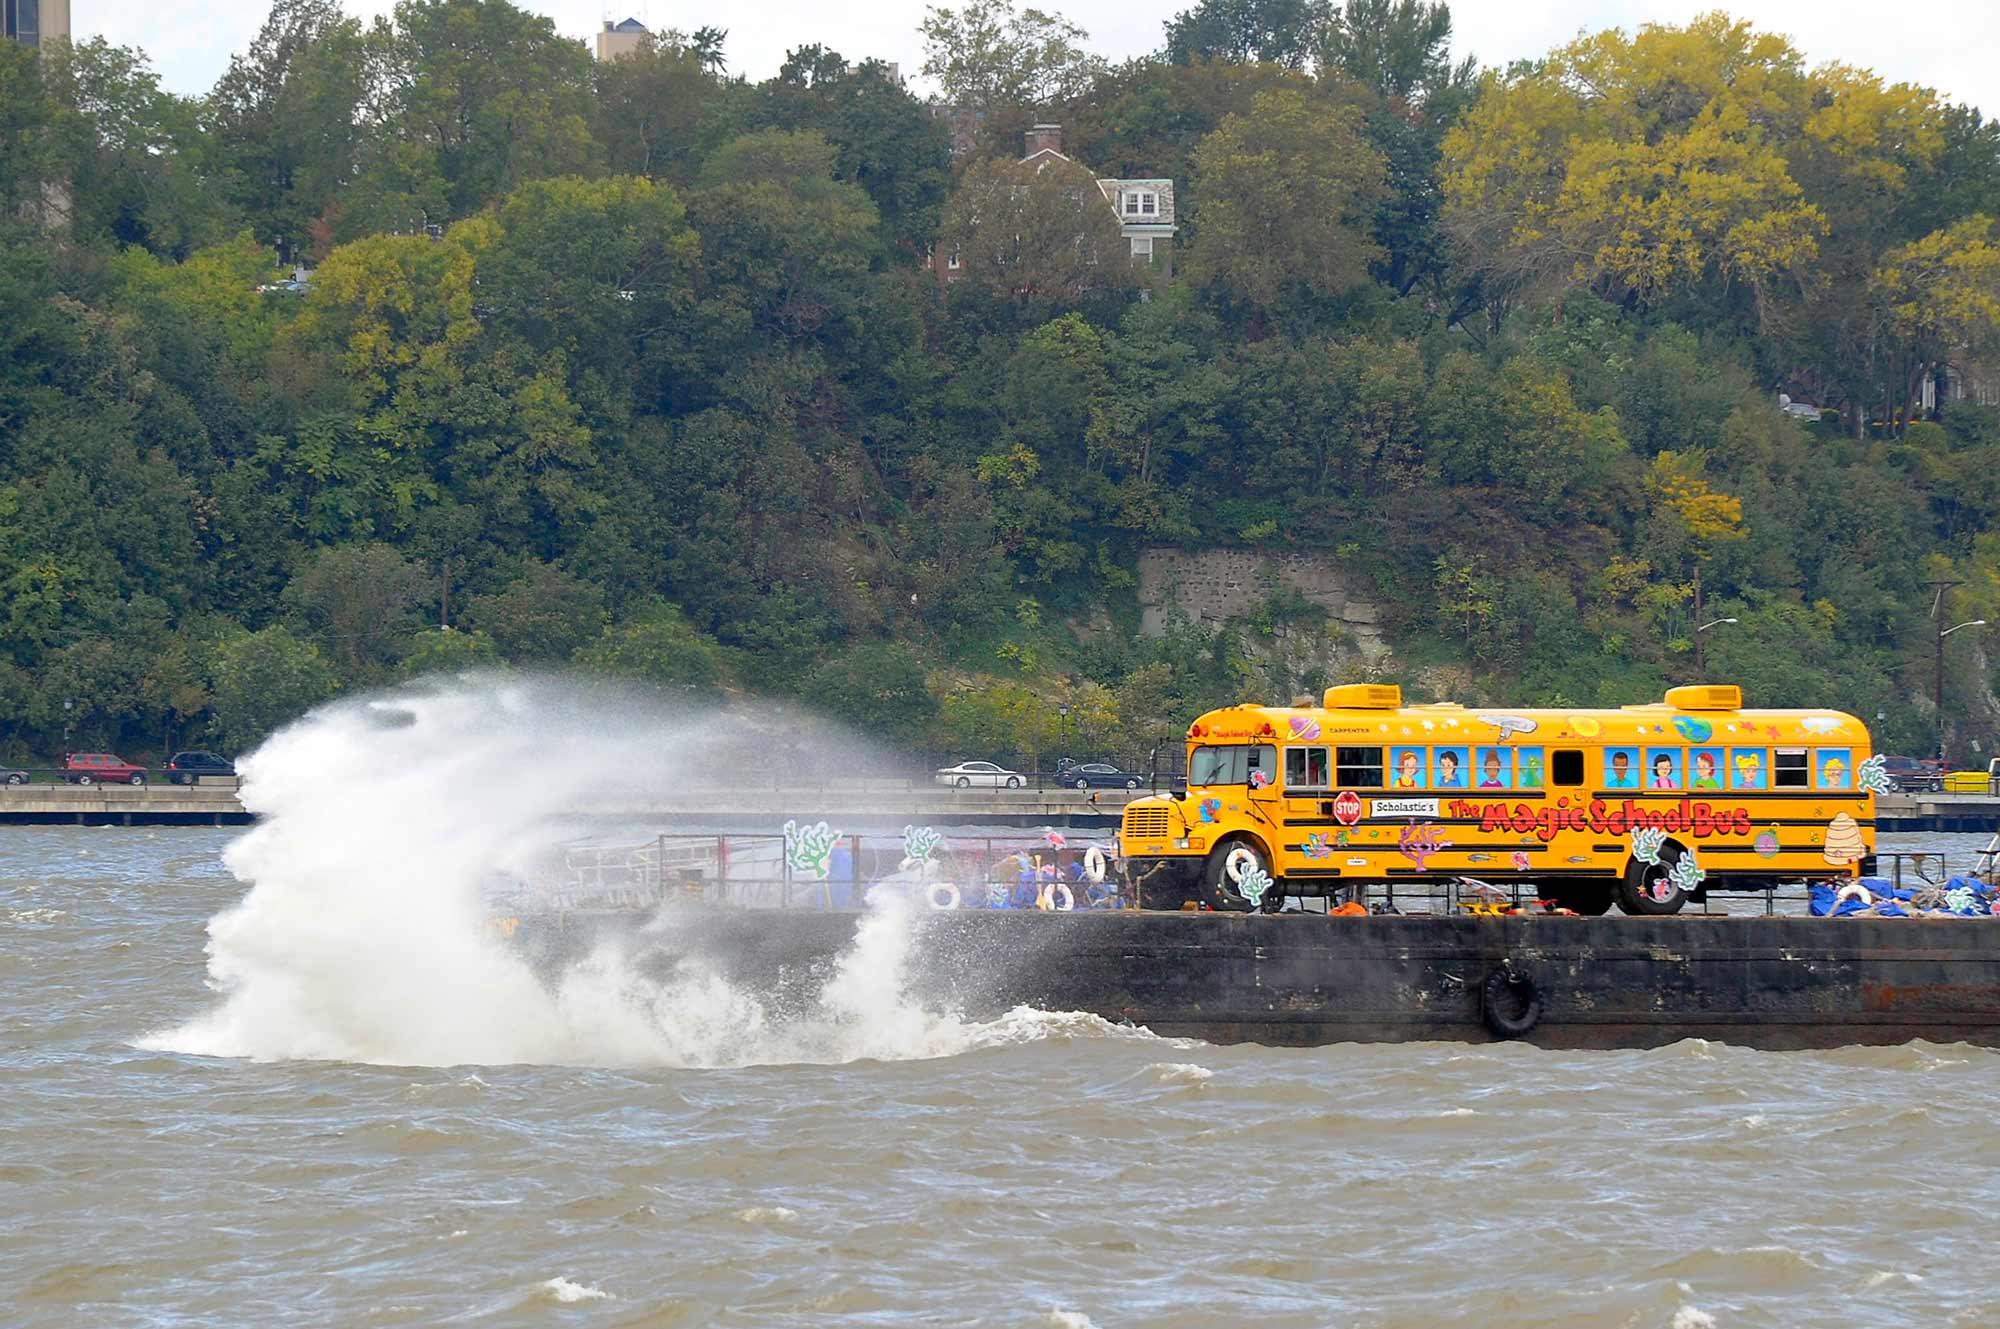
<point x="1644" y="806"/>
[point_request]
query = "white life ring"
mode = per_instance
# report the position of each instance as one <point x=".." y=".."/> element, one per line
<point x="1068" y="898"/>
<point x="1093" y="864"/>
<point x="1239" y="861"/>
<point x="944" y="895"/>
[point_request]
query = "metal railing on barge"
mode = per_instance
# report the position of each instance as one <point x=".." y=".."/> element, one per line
<point x="1029" y="873"/>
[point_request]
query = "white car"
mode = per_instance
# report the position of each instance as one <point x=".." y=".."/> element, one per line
<point x="984" y="773"/>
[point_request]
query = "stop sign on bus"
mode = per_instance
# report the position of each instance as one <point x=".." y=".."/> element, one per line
<point x="1347" y="807"/>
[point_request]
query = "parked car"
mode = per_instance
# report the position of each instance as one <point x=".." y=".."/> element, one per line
<point x="1096" y="775"/>
<point x="983" y="773"/>
<point x="1911" y="774"/>
<point x="189" y="767"/>
<point x="17" y="777"/>
<point x="101" y="768"/>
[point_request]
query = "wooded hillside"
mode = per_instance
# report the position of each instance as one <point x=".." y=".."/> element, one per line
<point x="642" y="367"/>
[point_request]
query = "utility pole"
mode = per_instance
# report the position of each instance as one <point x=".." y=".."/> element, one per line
<point x="1938" y="588"/>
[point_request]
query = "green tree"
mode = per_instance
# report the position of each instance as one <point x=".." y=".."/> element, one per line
<point x="286" y="121"/>
<point x="1279" y="32"/>
<point x="885" y="140"/>
<point x="785" y="245"/>
<point x="359" y="600"/>
<point x="877" y="688"/>
<point x="447" y="651"/>
<point x="1317" y="244"/>
<point x="1038" y="237"/>
<point x="1399" y="48"/>
<point x="661" y="650"/>
<point x="128" y="151"/>
<point x="262" y="681"/>
<point x="478" y="97"/>
<point x="660" y="110"/>
<point x="987" y="57"/>
<point x="543" y="615"/>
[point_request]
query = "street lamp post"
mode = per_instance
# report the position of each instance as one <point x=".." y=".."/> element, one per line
<point x="1700" y="659"/>
<point x="1062" y="729"/>
<point x="1937" y="687"/>
<point x="68" y="705"/>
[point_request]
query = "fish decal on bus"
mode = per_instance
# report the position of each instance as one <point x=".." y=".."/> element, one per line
<point x="1509" y="725"/>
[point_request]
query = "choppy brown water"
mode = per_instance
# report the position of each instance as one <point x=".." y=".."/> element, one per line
<point x="1047" y="1170"/>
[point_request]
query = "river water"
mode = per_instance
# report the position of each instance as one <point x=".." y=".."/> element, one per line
<point x="288" y="1076"/>
<point x="1044" y="1169"/>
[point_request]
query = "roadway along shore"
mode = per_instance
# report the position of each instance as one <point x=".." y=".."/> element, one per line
<point x="860" y="805"/>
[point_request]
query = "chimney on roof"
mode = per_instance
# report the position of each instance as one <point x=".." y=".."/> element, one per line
<point x="1044" y="136"/>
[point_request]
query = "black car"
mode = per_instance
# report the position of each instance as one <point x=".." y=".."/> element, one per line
<point x="1097" y="774"/>
<point x="188" y="767"/>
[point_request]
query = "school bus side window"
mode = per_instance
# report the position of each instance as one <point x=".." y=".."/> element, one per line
<point x="1305" y="768"/>
<point x="1358" y="768"/>
<point x="1566" y="767"/>
<point x="1789" y="769"/>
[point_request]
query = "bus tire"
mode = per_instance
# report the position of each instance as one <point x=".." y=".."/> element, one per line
<point x="1510" y="1003"/>
<point x="1645" y="889"/>
<point x="1227" y="862"/>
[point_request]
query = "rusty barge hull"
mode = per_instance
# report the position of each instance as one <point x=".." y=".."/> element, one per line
<point x="1772" y="982"/>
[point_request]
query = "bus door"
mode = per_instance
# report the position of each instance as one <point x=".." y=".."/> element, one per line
<point x="1308" y="781"/>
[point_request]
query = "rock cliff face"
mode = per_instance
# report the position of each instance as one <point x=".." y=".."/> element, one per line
<point x="1215" y="585"/>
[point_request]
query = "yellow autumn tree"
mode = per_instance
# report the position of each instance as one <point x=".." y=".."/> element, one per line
<point x="1637" y="165"/>
<point x="1939" y="295"/>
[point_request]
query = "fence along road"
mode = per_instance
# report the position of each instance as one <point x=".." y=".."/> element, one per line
<point x="860" y="804"/>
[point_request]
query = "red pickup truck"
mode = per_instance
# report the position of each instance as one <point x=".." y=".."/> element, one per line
<point x="101" y="768"/>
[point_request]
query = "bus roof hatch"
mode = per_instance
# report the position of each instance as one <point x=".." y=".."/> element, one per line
<point x="1706" y="697"/>
<point x="1364" y="697"/>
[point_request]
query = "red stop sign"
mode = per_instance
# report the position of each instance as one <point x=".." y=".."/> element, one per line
<point x="1347" y="807"/>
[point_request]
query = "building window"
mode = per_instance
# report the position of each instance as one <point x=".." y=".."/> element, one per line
<point x="1141" y="203"/>
<point x="951" y="260"/>
<point x="1142" y="246"/>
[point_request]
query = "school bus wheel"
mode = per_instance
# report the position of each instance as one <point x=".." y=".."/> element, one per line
<point x="1226" y="862"/>
<point x="1646" y="887"/>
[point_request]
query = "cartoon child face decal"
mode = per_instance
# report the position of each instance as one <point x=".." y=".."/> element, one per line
<point x="1448" y="770"/>
<point x="1706" y="763"/>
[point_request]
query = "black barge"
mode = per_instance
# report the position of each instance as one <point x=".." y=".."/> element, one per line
<point x="1762" y="981"/>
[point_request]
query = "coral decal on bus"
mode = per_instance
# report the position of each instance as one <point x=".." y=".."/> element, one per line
<point x="1688" y="817"/>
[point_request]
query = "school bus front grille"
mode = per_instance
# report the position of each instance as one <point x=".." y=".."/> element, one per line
<point x="1145" y="824"/>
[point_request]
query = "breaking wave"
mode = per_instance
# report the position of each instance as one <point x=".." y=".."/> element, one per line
<point x="363" y="936"/>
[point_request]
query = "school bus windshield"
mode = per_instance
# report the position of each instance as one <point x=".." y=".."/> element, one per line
<point x="1236" y="764"/>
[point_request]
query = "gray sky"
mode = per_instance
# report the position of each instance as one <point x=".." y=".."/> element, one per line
<point x="1951" y="45"/>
